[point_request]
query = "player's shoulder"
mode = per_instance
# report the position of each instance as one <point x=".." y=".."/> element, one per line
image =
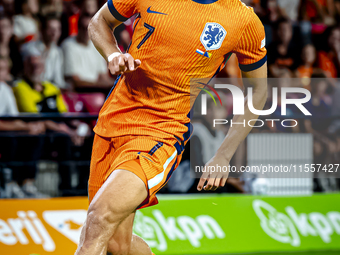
<point x="243" y="11"/>
<point x="240" y="5"/>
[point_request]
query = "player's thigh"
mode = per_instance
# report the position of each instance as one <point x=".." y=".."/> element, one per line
<point x="120" y="242"/>
<point x="119" y="197"/>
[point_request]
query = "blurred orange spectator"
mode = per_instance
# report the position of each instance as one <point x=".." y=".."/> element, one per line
<point x="322" y="11"/>
<point x="69" y="19"/>
<point x="72" y="11"/>
<point x="306" y="69"/>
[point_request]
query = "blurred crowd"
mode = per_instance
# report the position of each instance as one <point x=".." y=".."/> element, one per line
<point x="49" y="65"/>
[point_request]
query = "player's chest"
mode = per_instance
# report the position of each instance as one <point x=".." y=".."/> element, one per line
<point x="185" y="26"/>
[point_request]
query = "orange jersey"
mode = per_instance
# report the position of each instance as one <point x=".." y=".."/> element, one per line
<point x="176" y="40"/>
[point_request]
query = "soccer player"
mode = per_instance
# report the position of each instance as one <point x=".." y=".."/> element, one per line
<point x="144" y="123"/>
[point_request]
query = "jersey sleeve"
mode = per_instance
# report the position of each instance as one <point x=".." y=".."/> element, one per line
<point x="122" y="10"/>
<point x="250" y="50"/>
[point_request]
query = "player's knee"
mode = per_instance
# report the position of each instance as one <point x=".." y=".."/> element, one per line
<point x="102" y="218"/>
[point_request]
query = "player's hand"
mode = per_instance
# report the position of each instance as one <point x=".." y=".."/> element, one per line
<point x="214" y="177"/>
<point x="123" y="63"/>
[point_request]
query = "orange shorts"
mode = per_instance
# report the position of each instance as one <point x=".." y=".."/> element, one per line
<point x="152" y="159"/>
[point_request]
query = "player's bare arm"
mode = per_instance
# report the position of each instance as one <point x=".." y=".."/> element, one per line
<point x="100" y="31"/>
<point x="236" y="133"/>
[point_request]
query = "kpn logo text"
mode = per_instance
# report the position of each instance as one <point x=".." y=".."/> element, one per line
<point x="239" y="105"/>
<point x="158" y="229"/>
<point x="291" y="226"/>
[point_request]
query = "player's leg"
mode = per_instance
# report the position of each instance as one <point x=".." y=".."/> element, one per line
<point x="118" y="198"/>
<point x="124" y="242"/>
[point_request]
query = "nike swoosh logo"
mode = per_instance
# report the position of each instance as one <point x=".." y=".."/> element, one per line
<point x="150" y="11"/>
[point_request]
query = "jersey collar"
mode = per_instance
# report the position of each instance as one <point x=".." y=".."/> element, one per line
<point x="205" y="1"/>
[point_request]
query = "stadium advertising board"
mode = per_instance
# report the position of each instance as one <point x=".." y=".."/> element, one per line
<point x="40" y="227"/>
<point x="183" y="224"/>
<point x="222" y="224"/>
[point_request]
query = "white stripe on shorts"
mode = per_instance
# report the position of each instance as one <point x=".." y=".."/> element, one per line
<point x="159" y="177"/>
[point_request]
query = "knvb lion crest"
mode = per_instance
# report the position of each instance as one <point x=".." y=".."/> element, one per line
<point x="212" y="36"/>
